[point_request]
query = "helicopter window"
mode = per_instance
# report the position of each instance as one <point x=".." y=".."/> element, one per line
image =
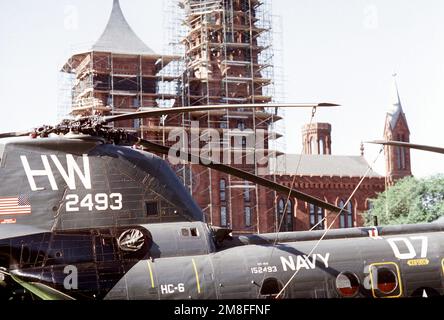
<point x="386" y="280"/>
<point x="152" y="208"/>
<point x="347" y="284"/>
<point x="271" y="287"/>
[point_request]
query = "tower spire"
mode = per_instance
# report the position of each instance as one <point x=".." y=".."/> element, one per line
<point x="395" y="109"/>
<point x="396" y="128"/>
<point x="397" y="100"/>
<point x="119" y="37"/>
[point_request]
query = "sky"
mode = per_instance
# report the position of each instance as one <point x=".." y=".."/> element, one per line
<point x="338" y="51"/>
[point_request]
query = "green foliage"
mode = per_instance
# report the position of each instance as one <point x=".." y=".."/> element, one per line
<point x="410" y="200"/>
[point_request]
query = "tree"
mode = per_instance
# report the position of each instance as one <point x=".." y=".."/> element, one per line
<point x="410" y="200"/>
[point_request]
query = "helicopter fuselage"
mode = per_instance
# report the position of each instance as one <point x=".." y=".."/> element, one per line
<point x="98" y="221"/>
<point x="183" y="261"/>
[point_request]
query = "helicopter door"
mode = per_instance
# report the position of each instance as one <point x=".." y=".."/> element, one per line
<point x="385" y="279"/>
<point x="270" y="288"/>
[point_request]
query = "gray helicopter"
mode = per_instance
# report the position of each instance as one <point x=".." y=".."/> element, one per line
<point x="84" y="217"/>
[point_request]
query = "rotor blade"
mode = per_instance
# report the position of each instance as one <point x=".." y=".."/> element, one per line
<point x="154" y="147"/>
<point x="14" y="134"/>
<point x="409" y="145"/>
<point x="41" y="290"/>
<point x="157" y="112"/>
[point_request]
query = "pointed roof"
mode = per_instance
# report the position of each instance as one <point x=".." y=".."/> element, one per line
<point x="395" y="109"/>
<point x="118" y="36"/>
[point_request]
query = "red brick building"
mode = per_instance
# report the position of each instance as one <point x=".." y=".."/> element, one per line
<point x="227" y="60"/>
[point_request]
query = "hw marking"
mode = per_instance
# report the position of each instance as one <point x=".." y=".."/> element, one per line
<point x="68" y="175"/>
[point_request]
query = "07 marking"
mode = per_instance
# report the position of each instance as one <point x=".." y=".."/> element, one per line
<point x="99" y="202"/>
<point x="410" y="253"/>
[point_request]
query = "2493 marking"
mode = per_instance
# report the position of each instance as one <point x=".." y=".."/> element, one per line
<point x="99" y="202"/>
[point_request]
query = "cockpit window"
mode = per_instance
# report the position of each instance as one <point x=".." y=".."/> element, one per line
<point x="189" y="232"/>
<point x="194" y="232"/>
<point x="152" y="208"/>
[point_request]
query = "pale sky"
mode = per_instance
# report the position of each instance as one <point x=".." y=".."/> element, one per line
<point x="339" y="51"/>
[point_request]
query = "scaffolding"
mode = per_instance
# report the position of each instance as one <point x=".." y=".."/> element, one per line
<point x="218" y="52"/>
<point x="227" y="49"/>
<point x="101" y="83"/>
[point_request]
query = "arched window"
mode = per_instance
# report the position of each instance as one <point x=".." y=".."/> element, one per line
<point x="346" y="218"/>
<point x="241" y="125"/>
<point x="222" y="189"/>
<point x="321" y="146"/>
<point x="287" y="221"/>
<point x="289" y="216"/>
<point x="369" y="205"/>
<point x="247" y="216"/>
<point x="342" y="215"/>
<point x="350" y="215"/>
<point x="313" y="149"/>
<point x="244" y="141"/>
<point x="398" y="157"/>
<point x="281" y="206"/>
<point x="223" y="216"/>
<point x="316" y="216"/>
<point x="247" y="197"/>
<point x="403" y="155"/>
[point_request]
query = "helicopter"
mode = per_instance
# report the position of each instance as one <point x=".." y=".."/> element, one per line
<point x="85" y="218"/>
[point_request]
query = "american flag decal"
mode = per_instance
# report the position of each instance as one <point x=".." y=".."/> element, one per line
<point x="8" y="221"/>
<point x="15" y="205"/>
<point x="374" y="233"/>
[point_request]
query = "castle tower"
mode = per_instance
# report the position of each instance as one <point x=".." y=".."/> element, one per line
<point x="228" y="60"/>
<point x="118" y="74"/>
<point x="396" y="129"/>
<point x="316" y="138"/>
